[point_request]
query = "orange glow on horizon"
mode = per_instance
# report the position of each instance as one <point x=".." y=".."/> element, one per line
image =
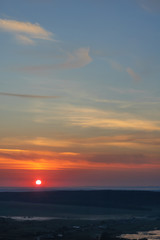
<point x="45" y="160"/>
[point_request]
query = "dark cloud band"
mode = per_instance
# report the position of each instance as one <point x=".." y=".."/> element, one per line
<point x="26" y="95"/>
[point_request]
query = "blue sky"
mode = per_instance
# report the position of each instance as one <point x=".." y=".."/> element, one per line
<point x="80" y="79"/>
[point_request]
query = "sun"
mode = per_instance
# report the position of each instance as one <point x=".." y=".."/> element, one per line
<point x="38" y="182"/>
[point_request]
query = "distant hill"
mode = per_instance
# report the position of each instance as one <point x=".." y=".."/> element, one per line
<point x="139" y="200"/>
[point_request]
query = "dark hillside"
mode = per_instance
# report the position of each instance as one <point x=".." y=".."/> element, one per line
<point x="96" y="198"/>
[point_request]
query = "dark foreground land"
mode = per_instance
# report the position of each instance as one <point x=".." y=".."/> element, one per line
<point x="78" y="215"/>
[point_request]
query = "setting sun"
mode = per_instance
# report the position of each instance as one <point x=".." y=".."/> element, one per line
<point x="38" y="182"/>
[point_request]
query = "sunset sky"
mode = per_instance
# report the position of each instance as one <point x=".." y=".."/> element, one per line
<point x="80" y="93"/>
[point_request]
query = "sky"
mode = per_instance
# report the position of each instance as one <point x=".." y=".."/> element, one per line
<point x="79" y="93"/>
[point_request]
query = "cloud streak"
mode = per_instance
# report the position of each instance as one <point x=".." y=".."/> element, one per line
<point x="134" y="75"/>
<point x="25" y="32"/>
<point x="25" y="95"/>
<point x="79" y="58"/>
<point x="90" y="117"/>
<point x="118" y="67"/>
<point x="47" y="160"/>
<point x="121" y="118"/>
<point x="133" y="124"/>
<point x="71" y="146"/>
<point x="150" y="5"/>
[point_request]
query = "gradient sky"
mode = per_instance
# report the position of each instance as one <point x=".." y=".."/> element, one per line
<point x="80" y="92"/>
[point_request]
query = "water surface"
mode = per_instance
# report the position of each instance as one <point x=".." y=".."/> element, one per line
<point x="150" y="235"/>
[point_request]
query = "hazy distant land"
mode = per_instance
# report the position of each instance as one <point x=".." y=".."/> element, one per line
<point x="102" y="214"/>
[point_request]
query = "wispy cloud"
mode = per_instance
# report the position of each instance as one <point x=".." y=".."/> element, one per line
<point x="134" y="75"/>
<point x="112" y="123"/>
<point x="119" y="116"/>
<point x="127" y="90"/>
<point x="38" y="141"/>
<point x="31" y="159"/>
<point x="90" y="117"/>
<point x="115" y="150"/>
<point x="150" y="5"/>
<point x="115" y="65"/>
<point x="41" y="141"/>
<point x="47" y="160"/>
<point x="26" y="95"/>
<point x="79" y="58"/>
<point x="118" y="67"/>
<point x="24" y="39"/>
<point x="25" y="32"/>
